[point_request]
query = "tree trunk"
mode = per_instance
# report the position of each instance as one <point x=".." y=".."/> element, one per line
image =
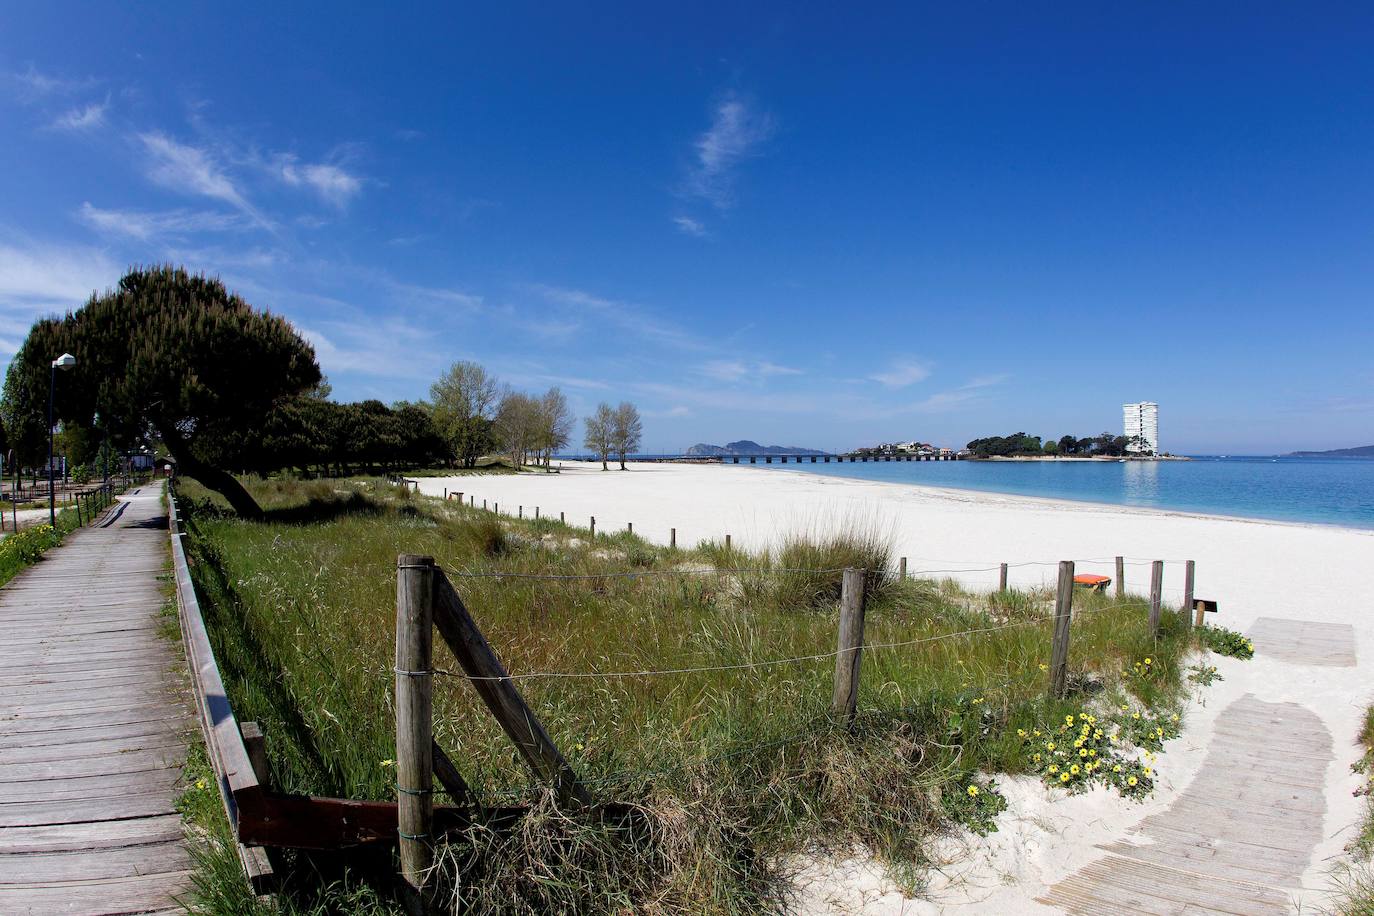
<point x="222" y="482"/>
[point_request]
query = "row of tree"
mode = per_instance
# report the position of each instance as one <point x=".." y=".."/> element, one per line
<point x="174" y="359"/>
<point x="1022" y="445"/>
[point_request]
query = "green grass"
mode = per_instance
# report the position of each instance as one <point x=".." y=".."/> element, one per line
<point x="729" y="771"/>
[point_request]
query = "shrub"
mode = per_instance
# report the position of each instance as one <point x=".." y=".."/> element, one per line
<point x="1226" y="642"/>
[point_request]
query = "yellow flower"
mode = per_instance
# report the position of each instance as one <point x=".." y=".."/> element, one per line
<point x="200" y="783"/>
<point x="1092" y="752"/>
<point x="1044" y="667"/>
<point x="1082" y="752"/>
<point x="1064" y="777"/>
<point x="1097" y="735"/>
<point x="1147" y="661"/>
<point x="1117" y="768"/>
<point x="1049" y="745"/>
<point x="1021" y="733"/>
<point x="1148" y="771"/>
<point x="1054" y="768"/>
<point x="1131" y="781"/>
<point x="1078" y="743"/>
<point x="972" y="791"/>
<point x="1123" y="708"/>
<point x="388" y="763"/>
<point x="1135" y="715"/>
<point x="1036" y="733"/>
<point x="1174" y="717"/>
<point x="1074" y="769"/>
<point x="1068" y="720"/>
<point x="1035" y="758"/>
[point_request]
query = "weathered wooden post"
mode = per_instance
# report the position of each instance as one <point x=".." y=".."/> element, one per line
<point x="445" y="494"/>
<point x="1063" y="619"/>
<point x="901" y="569"/>
<point x="1120" y="578"/>
<point x="255" y="743"/>
<point x="727" y="542"/>
<point x="1156" y="594"/>
<point x="1002" y="578"/>
<point x="1189" y="568"/>
<point x="414" y="717"/>
<point x="496" y="508"/>
<point x="484" y="505"/>
<point x="460" y="497"/>
<point x="521" y="513"/>
<point x="472" y="501"/>
<point x="593" y="527"/>
<point x="672" y="538"/>
<point x="536" y="513"/>
<point x="561" y="520"/>
<point x="851" y="645"/>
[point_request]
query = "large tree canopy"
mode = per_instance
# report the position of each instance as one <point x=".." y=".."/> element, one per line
<point x="174" y="352"/>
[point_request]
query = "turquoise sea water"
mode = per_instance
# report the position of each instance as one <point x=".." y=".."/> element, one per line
<point x="1333" y="491"/>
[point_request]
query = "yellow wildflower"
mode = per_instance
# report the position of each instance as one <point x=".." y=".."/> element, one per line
<point x="1147" y="661"/>
<point x="1074" y="769"/>
<point x="972" y="791"/>
<point x="1131" y="781"/>
<point x="1044" y="667"/>
<point x="1148" y="771"/>
<point x="1117" y="768"/>
<point x="388" y="763"/>
<point x="1054" y="768"/>
<point x="1064" y="777"/>
<point x="1049" y="745"/>
<point x="1021" y="733"/>
<point x="1082" y="752"/>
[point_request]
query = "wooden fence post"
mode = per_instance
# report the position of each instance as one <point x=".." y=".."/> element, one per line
<point x="593" y="527"/>
<point x="561" y="520"/>
<point x="1189" y="568"/>
<point x="1002" y="578"/>
<point x="536" y="513"/>
<point x="1120" y="578"/>
<point x="901" y="569"/>
<point x="496" y="508"/>
<point x="1063" y="619"/>
<point x="630" y="527"/>
<point x="521" y="511"/>
<point x="445" y="494"/>
<point x="414" y="717"/>
<point x="672" y="538"/>
<point x="851" y="645"/>
<point x="727" y="542"/>
<point x="460" y="497"/>
<point x="1156" y="594"/>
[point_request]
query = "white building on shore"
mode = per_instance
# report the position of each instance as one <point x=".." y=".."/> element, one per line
<point x="1141" y="423"/>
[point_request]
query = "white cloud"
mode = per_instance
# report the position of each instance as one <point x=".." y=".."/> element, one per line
<point x="191" y="170"/>
<point x="625" y="315"/>
<point x="41" y="278"/>
<point x="733" y="370"/>
<point x="383" y="348"/>
<point x="902" y="374"/>
<point x="145" y="225"/>
<point x="736" y="132"/>
<point x="34" y="85"/>
<point x="689" y="226"/>
<point x="86" y="117"/>
<point x="332" y="183"/>
<point x="680" y="410"/>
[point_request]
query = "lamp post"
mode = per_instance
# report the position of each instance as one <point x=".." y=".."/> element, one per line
<point x="64" y="362"/>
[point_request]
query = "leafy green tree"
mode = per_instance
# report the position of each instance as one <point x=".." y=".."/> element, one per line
<point x="465" y="400"/>
<point x="173" y="352"/>
<point x="600" y="436"/>
<point x="626" y="430"/>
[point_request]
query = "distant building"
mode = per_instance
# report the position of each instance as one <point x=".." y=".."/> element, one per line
<point x="1141" y="427"/>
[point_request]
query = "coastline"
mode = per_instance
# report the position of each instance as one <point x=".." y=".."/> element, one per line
<point x="1253" y="568"/>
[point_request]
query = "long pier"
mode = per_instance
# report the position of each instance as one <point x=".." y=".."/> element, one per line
<point x="778" y="459"/>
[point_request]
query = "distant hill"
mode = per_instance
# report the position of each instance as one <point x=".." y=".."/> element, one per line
<point x="747" y="447"/>
<point x="1360" y="451"/>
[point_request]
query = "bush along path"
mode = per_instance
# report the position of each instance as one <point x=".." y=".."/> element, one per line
<point x="91" y="726"/>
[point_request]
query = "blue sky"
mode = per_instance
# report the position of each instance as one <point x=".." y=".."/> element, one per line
<point x="799" y="225"/>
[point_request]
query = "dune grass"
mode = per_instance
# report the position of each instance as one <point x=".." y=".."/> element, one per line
<point x="732" y="771"/>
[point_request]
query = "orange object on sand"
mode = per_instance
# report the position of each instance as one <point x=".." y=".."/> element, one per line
<point x="1090" y="581"/>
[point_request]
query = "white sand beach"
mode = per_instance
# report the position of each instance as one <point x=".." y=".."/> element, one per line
<point x="1254" y="569"/>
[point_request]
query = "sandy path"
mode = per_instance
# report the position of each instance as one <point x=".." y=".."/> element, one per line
<point x="1254" y="569"/>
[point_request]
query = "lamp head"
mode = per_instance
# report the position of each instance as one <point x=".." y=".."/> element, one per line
<point x="65" y="361"/>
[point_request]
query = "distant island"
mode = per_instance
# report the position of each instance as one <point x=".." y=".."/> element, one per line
<point x="1360" y="451"/>
<point x="747" y="447"/>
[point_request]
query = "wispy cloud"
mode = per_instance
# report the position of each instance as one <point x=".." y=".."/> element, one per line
<point x="192" y="170"/>
<point x="332" y="183"/>
<point x="689" y="226"/>
<point x="679" y="410"/>
<point x="902" y="374"/>
<point x="83" y="117"/>
<point x="737" y="131"/>
<point x="383" y="348"/>
<point x="34" y="85"/>
<point x="146" y="225"/>
<point x="36" y="278"/>
<point x="734" y="370"/>
<point x="627" y="316"/>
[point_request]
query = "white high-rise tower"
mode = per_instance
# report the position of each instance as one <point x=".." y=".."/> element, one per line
<point x="1141" y="422"/>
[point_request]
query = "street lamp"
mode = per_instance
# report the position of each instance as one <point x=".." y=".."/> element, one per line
<point x="64" y="362"/>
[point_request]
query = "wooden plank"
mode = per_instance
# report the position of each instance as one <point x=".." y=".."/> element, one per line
<point x="103" y="895"/>
<point x="114" y="862"/>
<point x="491" y="682"/>
<point x="850" y="646"/>
<point x="53" y="837"/>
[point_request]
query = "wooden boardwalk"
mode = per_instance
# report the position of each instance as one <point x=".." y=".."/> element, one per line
<point x="93" y="725"/>
<point x="1240" y="836"/>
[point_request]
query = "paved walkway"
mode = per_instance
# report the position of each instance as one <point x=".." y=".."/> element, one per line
<point x="92" y="729"/>
<point x="1241" y="835"/>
